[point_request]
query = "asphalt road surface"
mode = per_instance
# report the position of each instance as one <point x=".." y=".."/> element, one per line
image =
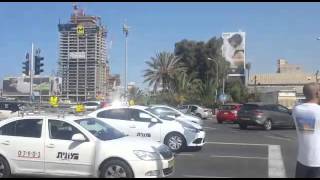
<point x="234" y="153"/>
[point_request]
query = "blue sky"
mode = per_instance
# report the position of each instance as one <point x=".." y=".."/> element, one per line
<point x="274" y="30"/>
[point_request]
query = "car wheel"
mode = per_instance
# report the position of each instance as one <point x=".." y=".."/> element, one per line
<point x="267" y="125"/>
<point x="4" y="168"/>
<point x="175" y="142"/>
<point x="116" y="169"/>
<point x="243" y="126"/>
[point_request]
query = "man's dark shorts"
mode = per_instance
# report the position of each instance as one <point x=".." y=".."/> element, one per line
<point x="303" y="171"/>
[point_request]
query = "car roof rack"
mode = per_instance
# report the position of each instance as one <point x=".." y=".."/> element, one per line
<point x="59" y="112"/>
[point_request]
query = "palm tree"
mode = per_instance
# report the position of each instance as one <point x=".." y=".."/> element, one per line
<point x="248" y="67"/>
<point x="184" y="85"/>
<point x="136" y="94"/>
<point x="161" y="70"/>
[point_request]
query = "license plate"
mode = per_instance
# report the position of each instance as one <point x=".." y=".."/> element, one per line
<point x="245" y="119"/>
<point x="225" y="113"/>
<point x="171" y="163"/>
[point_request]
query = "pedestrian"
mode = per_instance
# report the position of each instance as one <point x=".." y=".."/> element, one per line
<point x="307" y="120"/>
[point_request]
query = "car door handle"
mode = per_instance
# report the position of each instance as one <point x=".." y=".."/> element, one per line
<point x="50" y="146"/>
<point x="6" y="143"/>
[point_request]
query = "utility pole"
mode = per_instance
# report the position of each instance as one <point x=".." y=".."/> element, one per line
<point x="317" y="73"/>
<point x="31" y="73"/>
<point x="255" y="87"/>
<point x="126" y="32"/>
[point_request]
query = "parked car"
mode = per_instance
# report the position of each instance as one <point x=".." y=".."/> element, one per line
<point x="90" y="105"/>
<point x="10" y="109"/>
<point x="74" y="146"/>
<point x="228" y="113"/>
<point x="137" y="121"/>
<point x="265" y="115"/>
<point x="196" y="110"/>
<point x="163" y="110"/>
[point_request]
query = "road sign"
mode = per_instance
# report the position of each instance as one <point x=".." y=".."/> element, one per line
<point x="54" y="101"/>
<point x="80" y="30"/>
<point x="223" y="97"/>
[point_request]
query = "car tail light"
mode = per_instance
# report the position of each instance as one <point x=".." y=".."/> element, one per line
<point x="234" y="112"/>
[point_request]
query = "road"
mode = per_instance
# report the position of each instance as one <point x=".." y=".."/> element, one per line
<point x="234" y="153"/>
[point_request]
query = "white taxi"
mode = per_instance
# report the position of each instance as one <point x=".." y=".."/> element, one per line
<point x="77" y="146"/>
<point x="137" y="121"/>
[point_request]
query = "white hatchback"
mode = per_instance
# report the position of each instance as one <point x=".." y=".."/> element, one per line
<point x="137" y="121"/>
<point x="78" y="146"/>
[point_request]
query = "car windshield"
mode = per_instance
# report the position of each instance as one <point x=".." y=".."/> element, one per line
<point x="249" y="107"/>
<point x="100" y="129"/>
<point x="161" y="115"/>
<point x="228" y="107"/>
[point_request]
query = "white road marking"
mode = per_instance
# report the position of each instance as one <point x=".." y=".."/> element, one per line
<point x="184" y="154"/>
<point x="209" y="128"/>
<point x="241" y="144"/>
<point x="195" y="176"/>
<point x="239" y="157"/>
<point x="280" y="138"/>
<point x="275" y="162"/>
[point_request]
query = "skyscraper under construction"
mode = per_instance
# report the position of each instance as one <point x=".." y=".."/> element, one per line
<point x="82" y="57"/>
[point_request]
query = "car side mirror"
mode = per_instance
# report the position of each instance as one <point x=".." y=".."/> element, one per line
<point x="154" y="120"/>
<point x="78" y="137"/>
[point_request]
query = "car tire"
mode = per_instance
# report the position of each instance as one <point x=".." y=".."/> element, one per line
<point x="116" y="169"/>
<point x="5" y="171"/>
<point x="267" y="125"/>
<point x="243" y="126"/>
<point x="175" y="142"/>
<point x="198" y="148"/>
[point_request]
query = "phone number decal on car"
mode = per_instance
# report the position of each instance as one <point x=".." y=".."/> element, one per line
<point x="29" y="154"/>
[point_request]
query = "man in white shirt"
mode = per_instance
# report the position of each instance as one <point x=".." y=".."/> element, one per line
<point x="307" y="120"/>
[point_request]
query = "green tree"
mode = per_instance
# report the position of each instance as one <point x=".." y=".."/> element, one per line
<point x="137" y="95"/>
<point x="161" y="70"/>
<point x="183" y="87"/>
<point x="237" y="90"/>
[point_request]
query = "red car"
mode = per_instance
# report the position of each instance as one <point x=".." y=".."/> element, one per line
<point x="228" y="113"/>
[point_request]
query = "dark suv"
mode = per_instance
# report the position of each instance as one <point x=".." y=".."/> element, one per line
<point x="264" y="115"/>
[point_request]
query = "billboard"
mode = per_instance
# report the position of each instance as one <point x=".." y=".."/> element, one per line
<point x="233" y="50"/>
<point x="20" y="86"/>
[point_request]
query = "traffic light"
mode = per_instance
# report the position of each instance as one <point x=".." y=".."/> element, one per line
<point x="25" y="67"/>
<point x="38" y="64"/>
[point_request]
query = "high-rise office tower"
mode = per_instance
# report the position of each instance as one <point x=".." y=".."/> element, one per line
<point x="82" y="57"/>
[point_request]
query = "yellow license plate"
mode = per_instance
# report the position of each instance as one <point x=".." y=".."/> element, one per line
<point x="171" y="163"/>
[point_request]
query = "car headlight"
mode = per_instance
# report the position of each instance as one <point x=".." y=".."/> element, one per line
<point x="191" y="129"/>
<point x="147" y="156"/>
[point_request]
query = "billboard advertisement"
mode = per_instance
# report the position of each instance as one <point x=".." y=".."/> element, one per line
<point x="233" y="50"/>
<point x="20" y="86"/>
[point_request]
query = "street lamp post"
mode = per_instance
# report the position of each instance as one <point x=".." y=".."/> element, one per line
<point x="126" y="32"/>
<point x="217" y="76"/>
